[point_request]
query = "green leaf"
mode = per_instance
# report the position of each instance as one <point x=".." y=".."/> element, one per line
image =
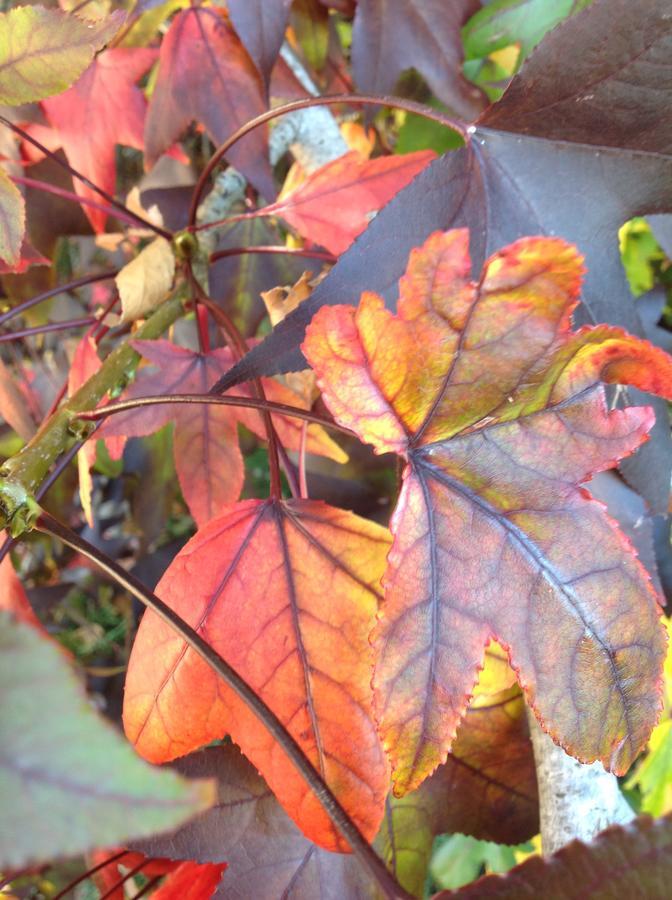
<point x="640" y="253"/>
<point x="459" y="859"/>
<point x="43" y="51"/>
<point x="68" y="780"/>
<point x="507" y="22"/>
<point x="12" y="220"/>
<point x="654" y="775"/>
<point x="629" y="861"/>
<point x="420" y="133"/>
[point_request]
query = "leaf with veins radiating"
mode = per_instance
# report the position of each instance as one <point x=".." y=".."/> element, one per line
<point x="573" y="149"/>
<point x="207" y="456"/>
<point x="500" y="419"/>
<point x="287" y="593"/>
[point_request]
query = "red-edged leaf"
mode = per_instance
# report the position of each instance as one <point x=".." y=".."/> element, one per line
<point x="205" y="74"/>
<point x="287" y="593"/>
<point x="28" y="256"/>
<point x="261" y="26"/>
<point x="207" y="456"/>
<point x="389" y="36"/>
<point x="500" y="419"/>
<point x="103" y="109"/>
<point x="247" y="825"/>
<point x="336" y="203"/>
<point x="623" y="861"/>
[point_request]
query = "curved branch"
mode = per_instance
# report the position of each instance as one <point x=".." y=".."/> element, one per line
<point x="248" y="402"/>
<point x="330" y="100"/>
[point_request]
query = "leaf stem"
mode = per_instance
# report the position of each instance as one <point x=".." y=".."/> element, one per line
<point x="270" y="406"/>
<point x="54" y="292"/>
<point x="127" y="877"/>
<point x="330" y="100"/>
<point x="202" y="327"/>
<point x="239" y="348"/>
<point x="117" y="204"/>
<point x="45" y="329"/>
<point x="270" y="249"/>
<point x="339" y="817"/>
<point x="75" y="198"/>
<point x="89" y="872"/>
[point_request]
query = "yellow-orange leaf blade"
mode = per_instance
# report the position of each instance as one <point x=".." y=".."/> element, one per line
<point x="287" y="593"/>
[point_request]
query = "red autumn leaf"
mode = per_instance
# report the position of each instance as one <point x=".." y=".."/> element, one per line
<point x="488" y="784"/>
<point x="104" y="108"/>
<point x="287" y="593"/>
<point x="501" y="419"/>
<point x="190" y="881"/>
<point x="13" y="597"/>
<point x="207" y="456"/>
<point x="206" y="75"/>
<point x="389" y="36"/>
<point x="15" y="407"/>
<point x="108" y="876"/>
<point x="624" y="861"/>
<point x="336" y="203"/>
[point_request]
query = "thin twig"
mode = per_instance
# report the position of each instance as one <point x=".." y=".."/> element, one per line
<point x="46" y="329"/>
<point x="271" y="249"/>
<point x="353" y="99"/>
<point x="239" y="348"/>
<point x="89" y="872"/>
<point x="86" y="181"/>
<point x="127" y="877"/>
<point x="54" y="292"/>
<point x="74" y="198"/>
<point x="270" y="406"/>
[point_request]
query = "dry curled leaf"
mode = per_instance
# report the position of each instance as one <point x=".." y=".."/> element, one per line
<point x="145" y="281"/>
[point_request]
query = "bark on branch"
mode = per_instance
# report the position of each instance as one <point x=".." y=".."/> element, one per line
<point x="575" y="800"/>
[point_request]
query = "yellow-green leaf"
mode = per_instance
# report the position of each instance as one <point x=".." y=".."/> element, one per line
<point x="43" y="51"/>
<point x="12" y="220"/>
